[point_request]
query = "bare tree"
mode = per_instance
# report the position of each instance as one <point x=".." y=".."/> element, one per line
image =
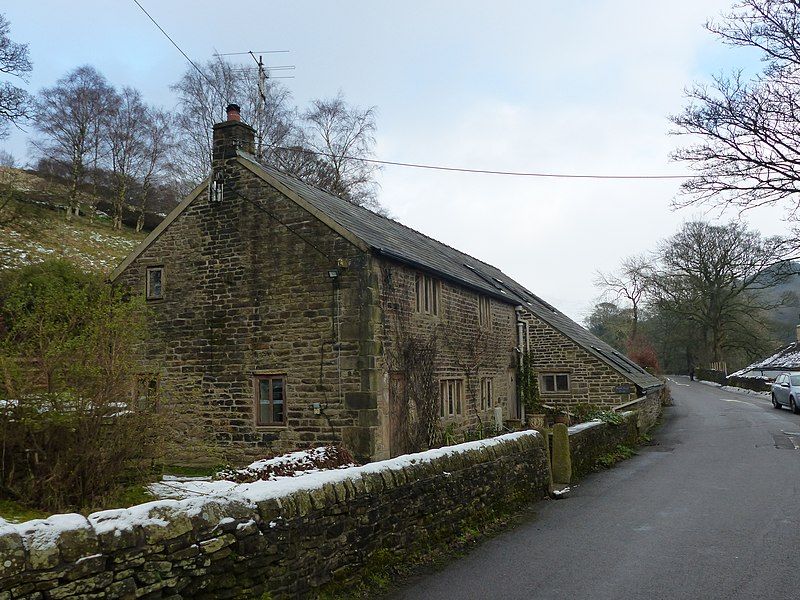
<point x="158" y="146"/>
<point x="337" y="135"/>
<point x="713" y="277"/>
<point x="126" y="132"/>
<point x="67" y="115"/>
<point x="14" y="61"/>
<point x="628" y="283"/>
<point x="748" y="132"/>
<point x="7" y="159"/>
<point x="202" y="100"/>
<point x="319" y="147"/>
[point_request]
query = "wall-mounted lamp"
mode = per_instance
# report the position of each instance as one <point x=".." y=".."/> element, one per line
<point x="333" y="273"/>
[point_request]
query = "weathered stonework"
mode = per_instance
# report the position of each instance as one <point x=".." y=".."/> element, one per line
<point x="589" y="441"/>
<point x="590" y="379"/>
<point x="465" y="349"/>
<point x="248" y="291"/>
<point x="285" y="546"/>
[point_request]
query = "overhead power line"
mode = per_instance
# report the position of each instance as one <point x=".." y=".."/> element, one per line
<point x="484" y="171"/>
<point x="186" y="56"/>
<point x="391" y="162"/>
<point x="251" y="52"/>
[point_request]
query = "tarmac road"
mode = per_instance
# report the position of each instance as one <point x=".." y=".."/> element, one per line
<point x="711" y="510"/>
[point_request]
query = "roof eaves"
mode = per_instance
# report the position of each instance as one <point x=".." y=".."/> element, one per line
<point x="444" y="275"/>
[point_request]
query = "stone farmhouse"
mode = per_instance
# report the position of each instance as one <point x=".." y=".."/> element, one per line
<point x="283" y="316"/>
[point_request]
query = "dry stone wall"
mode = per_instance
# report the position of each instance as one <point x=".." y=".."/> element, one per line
<point x="648" y="410"/>
<point x="588" y="441"/>
<point x="284" y="539"/>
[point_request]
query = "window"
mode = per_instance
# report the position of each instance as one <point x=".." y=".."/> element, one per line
<point x="270" y="400"/>
<point x="555" y="382"/>
<point x="452" y="397"/>
<point x="146" y="393"/>
<point x="155" y="283"/>
<point x="487" y="390"/>
<point x="484" y="311"/>
<point x="427" y="295"/>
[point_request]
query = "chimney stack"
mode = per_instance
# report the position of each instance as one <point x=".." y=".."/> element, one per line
<point x="231" y="135"/>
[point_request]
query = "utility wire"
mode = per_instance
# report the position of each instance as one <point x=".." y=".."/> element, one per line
<point x="398" y="163"/>
<point x="186" y="56"/>
<point x="483" y="171"/>
<point x="258" y="206"/>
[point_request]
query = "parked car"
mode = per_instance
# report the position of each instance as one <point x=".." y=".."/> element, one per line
<point x="786" y="391"/>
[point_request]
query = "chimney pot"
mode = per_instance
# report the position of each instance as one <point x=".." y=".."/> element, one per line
<point x="797" y="333"/>
<point x="234" y="112"/>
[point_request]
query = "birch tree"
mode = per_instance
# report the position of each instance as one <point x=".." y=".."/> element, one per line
<point x="67" y="117"/>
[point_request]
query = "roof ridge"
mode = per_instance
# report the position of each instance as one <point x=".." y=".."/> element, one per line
<point x="249" y="156"/>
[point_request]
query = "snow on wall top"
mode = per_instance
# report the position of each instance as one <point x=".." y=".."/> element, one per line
<point x="41" y="533"/>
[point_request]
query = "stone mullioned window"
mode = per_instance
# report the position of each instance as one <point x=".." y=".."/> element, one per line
<point x="427" y="294"/>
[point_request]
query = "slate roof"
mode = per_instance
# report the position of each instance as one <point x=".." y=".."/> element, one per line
<point x="786" y="358"/>
<point x="396" y="241"/>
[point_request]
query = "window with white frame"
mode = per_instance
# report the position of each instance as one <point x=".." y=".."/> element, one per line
<point x="154" y="283"/>
<point x="427" y="294"/>
<point x="451" y="394"/>
<point x="555" y="382"/>
<point x="487" y="393"/>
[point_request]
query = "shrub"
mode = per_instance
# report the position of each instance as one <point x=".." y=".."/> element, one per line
<point x="71" y="435"/>
<point x="641" y="351"/>
<point x="292" y="464"/>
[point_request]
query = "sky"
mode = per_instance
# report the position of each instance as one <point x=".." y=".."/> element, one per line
<point x="561" y="87"/>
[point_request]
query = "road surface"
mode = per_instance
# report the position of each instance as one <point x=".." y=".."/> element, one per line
<point x="710" y="511"/>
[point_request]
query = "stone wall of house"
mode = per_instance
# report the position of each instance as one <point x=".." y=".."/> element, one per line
<point x="314" y="530"/>
<point x="465" y="349"/>
<point x="589" y="441"/>
<point x="247" y="290"/>
<point x="590" y="379"/>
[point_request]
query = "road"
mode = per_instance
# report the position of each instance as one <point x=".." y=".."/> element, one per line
<point x="710" y="511"/>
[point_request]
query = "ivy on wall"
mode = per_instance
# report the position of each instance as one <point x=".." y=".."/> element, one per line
<point x="528" y="385"/>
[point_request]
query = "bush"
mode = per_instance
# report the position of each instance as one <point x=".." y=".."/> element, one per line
<point x="641" y="351"/>
<point x="71" y="435"/>
<point x="710" y="375"/>
<point x="757" y="384"/>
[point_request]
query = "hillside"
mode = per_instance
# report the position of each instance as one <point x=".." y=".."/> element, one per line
<point x="33" y="227"/>
<point x="785" y="318"/>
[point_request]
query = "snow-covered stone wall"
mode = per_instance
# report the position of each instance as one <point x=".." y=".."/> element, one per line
<point x="284" y="538"/>
<point x="589" y="441"/>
